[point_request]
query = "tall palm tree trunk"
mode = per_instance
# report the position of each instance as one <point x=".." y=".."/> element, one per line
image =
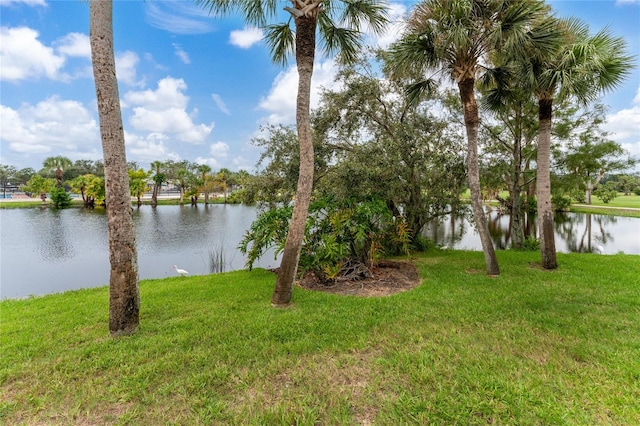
<point x="545" y="209"/>
<point x="124" y="294"/>
<point x="471" y="121"/>
<point x="517" y="231"/>
<point x="305" y="53"/>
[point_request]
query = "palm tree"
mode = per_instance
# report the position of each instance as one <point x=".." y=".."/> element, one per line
<point x="57" y="164"/>
<point x="308" y="18"/>
<point x="159" y="177"/>
<point x="138" y="184"/>
<point x="39" y="185"/>
<point x="455" y="37"/>
<point x="124" y="294"/>
<point x="226" y="180"/>
<point x="205" y="178"/>
<point x="581" y="68"/>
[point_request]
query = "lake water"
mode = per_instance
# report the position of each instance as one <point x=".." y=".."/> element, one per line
<point x="46" y="251"/>
<point x="574" y="232"/>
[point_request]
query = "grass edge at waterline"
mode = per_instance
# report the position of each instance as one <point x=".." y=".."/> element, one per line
<point x="528" y="347"/>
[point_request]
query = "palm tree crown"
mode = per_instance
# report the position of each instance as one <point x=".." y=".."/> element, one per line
<point x="340" y="22"/>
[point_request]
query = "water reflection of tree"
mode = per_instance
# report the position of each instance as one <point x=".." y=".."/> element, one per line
<point x="501" y="232"/>
<point x="581" y="232"/>
<point x="577" y="231"/>
<point x="450" y="229"/>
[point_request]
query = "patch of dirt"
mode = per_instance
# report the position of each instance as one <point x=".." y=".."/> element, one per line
<point x="388" y="277"/>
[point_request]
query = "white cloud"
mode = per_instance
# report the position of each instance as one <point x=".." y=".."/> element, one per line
<point x="218" y="153"/>
<point x="397" y="13"/>
<point x="55" y="126"/>
<point x="23" y="56"/>
<point x="180" y="53"/>
<point x="164" y="111"/>
<point x="246" y="37"/>
<point x="179" y="17"/>
<point x="625" y="126"/>
<point x="624" y="2"/>
<point x="126" y="63"/>
<point x="148" y="148"/>
<point x="219" y="150"/>
<point x="281" y="100"/>
<point x="27" y="2"/>
<point x="220" y="103"/>
<point x="241" y="163"/>
<point x="167" y="95"/>
<point x="74" y="44"/>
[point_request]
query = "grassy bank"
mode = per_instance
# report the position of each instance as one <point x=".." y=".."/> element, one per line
<point x="621" y="201"/>
<point x="528" y="347"/>
<point x="603" y="210"/>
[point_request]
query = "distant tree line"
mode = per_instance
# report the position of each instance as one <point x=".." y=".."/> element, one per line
<point x="59" y="176"/>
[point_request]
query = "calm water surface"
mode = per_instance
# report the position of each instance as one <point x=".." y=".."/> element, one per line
<point x="574" y="232"/>
<point x="46" y="251"/>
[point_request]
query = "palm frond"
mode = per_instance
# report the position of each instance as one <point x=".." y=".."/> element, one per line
<point x="360" y="13"/>
<point x="281" y="42"/>
<point x="257" y="12"/>
<point x="415" y="92"/>
<point x="344" y="41"/>
<point x="413" y="53"/>
<point x="217" y="7"/>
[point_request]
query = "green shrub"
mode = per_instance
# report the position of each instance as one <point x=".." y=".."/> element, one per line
<point x="579" y="195"/>
<point x="338" y="235"/>
<point x="560" y="203"/>
<point x="529" y="244"/>
<point x="59" y="197"/>
<point x="422" y="244"/>
<point x="606" y="192"/>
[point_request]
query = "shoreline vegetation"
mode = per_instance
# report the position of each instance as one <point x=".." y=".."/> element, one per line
<point x="528" y="347"/>
<point x="77" y="202"/>
<point x="624" y="205"/>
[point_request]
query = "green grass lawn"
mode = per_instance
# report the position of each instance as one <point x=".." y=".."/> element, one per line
<point x="527" y="347"/>
<point x="624" y="201"/>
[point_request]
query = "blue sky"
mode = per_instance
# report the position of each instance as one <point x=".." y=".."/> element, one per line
<point x="193" y="87"/>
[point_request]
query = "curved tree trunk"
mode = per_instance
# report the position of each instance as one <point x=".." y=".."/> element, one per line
<point x="124" y="294"/>
<point x="545" y="209"/>
<point x="305" y="52"/>
<point x="471" y="121"/>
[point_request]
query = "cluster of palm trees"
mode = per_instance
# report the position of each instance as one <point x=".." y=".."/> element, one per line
<point x="190" y="179"/>
<point x="507" y="43"/>
<point x="85" y="178"/>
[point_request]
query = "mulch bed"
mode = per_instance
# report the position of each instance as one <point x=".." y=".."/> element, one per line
<point x="389" y="277"/>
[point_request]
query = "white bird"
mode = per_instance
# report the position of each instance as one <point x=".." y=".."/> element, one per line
<point x="182" y="272"/>
<point x="599" y="249"/>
